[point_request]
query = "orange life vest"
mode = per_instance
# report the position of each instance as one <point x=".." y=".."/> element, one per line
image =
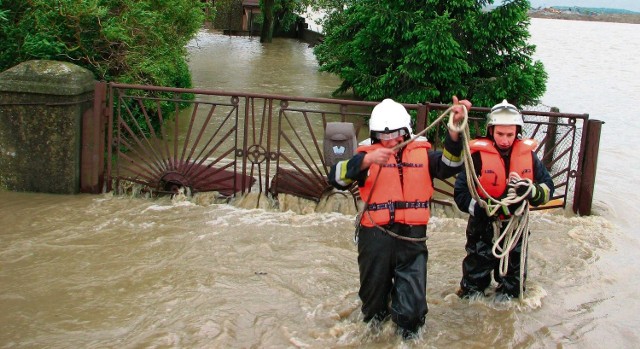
<point x="493" y="176"/>
<point x="392" y="201"/>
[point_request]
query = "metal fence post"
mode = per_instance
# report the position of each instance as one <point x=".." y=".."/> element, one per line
<point x="584" y="192"/>
<point x="421" y="118"/>
<point x="550" y="142"/>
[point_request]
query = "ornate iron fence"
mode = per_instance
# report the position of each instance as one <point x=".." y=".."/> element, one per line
<point x="236" y="143"/>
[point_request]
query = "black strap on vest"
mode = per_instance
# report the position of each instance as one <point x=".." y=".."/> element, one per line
<point x="392" y="206"/>
<point x="403" y="164"/>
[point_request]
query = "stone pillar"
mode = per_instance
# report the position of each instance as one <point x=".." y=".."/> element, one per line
<point x="41" y="108"/>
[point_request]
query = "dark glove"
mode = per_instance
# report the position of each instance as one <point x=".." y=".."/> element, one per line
<point x="537" y="195"/>
<point x="523" y="189"/>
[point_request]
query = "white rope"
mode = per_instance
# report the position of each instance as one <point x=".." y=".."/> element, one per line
<point x="462" y="126"/>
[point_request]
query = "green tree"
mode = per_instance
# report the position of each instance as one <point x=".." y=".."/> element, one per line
<point x="130" y="41"/>
<point x="279" y="16"/>
<point x="125" y="41"/>
<point x="432" y="49"/>
<point x="267" y="9"/>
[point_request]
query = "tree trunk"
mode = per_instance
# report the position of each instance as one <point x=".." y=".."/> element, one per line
<point x="266" y="35"/>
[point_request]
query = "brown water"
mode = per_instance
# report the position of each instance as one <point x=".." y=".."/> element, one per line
<point x="102" y="271"/>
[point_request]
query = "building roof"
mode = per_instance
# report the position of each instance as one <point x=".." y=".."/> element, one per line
<point x="251" y="3"/>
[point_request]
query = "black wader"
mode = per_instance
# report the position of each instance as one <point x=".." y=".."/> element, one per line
<point x="393" y="271"/>
<point x="480" y="262"/>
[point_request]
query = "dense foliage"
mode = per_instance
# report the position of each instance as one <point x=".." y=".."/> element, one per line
<point x="429" y="50"/>
<point x="126" y="41"/>
<point x="129" y="41"/>
<point x="279" y="16"/>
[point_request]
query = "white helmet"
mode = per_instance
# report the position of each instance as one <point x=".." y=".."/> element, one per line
<point x="504" y="114"/>
<point x="389" y="116"/>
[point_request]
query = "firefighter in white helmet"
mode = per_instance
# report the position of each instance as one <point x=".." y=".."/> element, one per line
<point x="396" y="187"/>
<point x="495" y="157"/>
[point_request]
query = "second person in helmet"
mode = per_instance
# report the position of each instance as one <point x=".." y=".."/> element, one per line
<point x="396" y="186"/>
<point x="502" y="152"/>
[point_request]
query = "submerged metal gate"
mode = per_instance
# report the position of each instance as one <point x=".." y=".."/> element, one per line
<point x="168" y="139"/>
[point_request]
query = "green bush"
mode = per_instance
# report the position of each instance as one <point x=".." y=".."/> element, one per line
<point x="125" y="41"/>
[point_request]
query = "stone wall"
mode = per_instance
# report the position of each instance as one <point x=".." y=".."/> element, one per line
<point x="41" y="108"/>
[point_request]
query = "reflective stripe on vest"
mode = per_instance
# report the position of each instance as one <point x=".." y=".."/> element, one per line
<point x="392" y="201"/>
<point x="493" y="176"/>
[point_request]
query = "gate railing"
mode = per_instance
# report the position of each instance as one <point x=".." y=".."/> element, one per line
<point x="169" y="139"/>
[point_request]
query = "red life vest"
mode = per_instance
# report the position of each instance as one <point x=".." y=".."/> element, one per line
<point x="392" y="201"/>
<point x="493" y="176"/>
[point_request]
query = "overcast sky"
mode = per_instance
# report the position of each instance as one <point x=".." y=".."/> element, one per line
<point x="632" y="5"/>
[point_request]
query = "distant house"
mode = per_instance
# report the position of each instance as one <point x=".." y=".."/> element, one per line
<point x="251" y="11"/>
<point x="237" y="17"/>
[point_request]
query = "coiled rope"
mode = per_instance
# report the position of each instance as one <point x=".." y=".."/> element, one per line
<point x="461" y="127"/>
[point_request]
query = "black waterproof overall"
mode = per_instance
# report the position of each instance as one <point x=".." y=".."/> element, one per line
<point x="393" y="275"/>
<point x="480" y="262"/>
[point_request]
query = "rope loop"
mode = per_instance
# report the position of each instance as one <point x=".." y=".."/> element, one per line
<point x="459" y="128"/>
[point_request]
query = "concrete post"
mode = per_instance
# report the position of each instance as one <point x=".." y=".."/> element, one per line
<point x="41" y="108"/>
